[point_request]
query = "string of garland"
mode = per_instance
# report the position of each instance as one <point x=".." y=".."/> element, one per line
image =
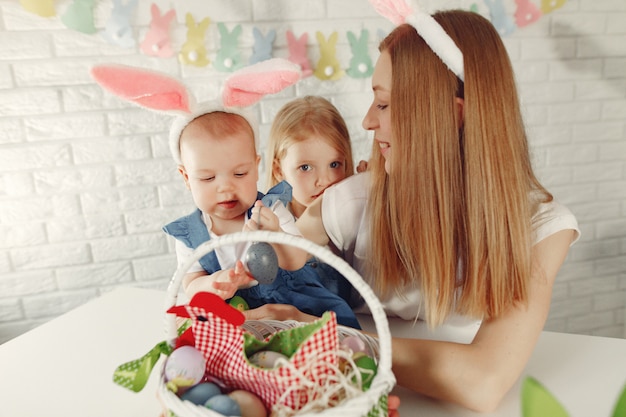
<point x="79" y="16"/>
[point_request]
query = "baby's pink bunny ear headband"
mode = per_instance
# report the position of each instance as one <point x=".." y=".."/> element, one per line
<point x="401" y="11"/>
<point x="160" y="92"/>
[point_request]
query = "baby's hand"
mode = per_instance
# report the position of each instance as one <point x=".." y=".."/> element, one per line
<point x="262" y="218"/>
<point x="230" y="280"/>
<point x="362" y="167"/>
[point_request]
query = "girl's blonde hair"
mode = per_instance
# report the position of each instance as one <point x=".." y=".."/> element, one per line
<point x="300" y="119"/>
<point x="454" y="214"/>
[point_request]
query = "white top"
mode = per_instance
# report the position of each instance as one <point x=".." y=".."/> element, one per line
<point x="345" y="221"/>
<point x="228" y="255"/>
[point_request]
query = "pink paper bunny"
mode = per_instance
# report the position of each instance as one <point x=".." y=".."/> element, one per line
<point x="160" y="92"/>
<point x="193" y="51"/>
<point x="298" y="52"/>
<point x="526" y="13"/>
<point x="157" y="41"/>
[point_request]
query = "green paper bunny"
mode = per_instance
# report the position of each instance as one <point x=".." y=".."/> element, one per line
<point x="360" y="64"/>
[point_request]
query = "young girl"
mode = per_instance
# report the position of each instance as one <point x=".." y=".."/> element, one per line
<point x="309" y="148"/>
<point x="450" y="218"/>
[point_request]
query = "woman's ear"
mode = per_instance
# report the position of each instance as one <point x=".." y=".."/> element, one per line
<point x="277" y="171"/>
<point x="460" y="103"/>
<point x="183" y="172"/>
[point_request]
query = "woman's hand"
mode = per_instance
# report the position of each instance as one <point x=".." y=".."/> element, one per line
<point x="262" y="218"/>
<point x="278" y="312"/>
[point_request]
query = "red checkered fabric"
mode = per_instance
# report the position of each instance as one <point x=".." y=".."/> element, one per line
<point x="223" y="346"/>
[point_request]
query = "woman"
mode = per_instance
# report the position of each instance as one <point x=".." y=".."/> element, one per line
<point x="450" y="219"/>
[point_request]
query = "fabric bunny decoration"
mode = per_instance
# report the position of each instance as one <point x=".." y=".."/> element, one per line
<point x="157" y="41"/>
<point x="328" y="67"/>
<point x="118" y="30"/>
<point x="162" y="93"/>
<point x="228" y="58"/>
<point x="503" y="23"/>
<point x="298" y="52"/>
<point x="193" y="51"/>
<point x="79" y="16"/>
<point x="262" y="49"/>
<point x="360" y="64"/>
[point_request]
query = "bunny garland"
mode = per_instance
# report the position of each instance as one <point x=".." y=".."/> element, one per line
<point x="400" y="11"/>
<point x="162" y="93"/>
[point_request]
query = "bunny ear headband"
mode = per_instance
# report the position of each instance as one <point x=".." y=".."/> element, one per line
<point x="400" y="11"/>
<point x="160" y="92"/>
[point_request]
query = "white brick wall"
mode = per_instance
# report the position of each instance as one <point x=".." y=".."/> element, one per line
<point x="86" y="181"/>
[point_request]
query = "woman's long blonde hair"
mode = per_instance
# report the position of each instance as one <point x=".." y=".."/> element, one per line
<point x="456" y="206"/>
<point x="300" y="119"/>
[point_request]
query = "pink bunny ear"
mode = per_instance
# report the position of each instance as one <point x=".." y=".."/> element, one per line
<point x="394" y="10"/>
<point x="148" y="89"/>
<point x="248" y="85"/>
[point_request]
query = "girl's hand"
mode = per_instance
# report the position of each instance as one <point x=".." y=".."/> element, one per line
<point x="278" y="312"/>
<point x="262" y="218"/>
<point x="230" y="280"/>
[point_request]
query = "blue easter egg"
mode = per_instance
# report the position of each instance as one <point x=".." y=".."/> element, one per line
<point x="224" y="405"/>
<point x="201" y="393"/>
<point x="262" y="262"/>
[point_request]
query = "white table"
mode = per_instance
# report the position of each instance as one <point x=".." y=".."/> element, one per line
<point x="64" y="368"/>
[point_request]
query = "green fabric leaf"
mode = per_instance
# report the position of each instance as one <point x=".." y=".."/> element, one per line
<point x="620" y="407"/>
<point x="537" y="401"/>
<point x="134" y="374"/>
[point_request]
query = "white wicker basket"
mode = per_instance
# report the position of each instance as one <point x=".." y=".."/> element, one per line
<point x="367" y="404"/>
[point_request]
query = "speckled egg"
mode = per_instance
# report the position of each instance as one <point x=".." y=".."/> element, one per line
<point x="185" y="366"/>
<point x="262" y="262"/>
<point x="224" y="405"/>
<point x="250" y="404"/>
<point x="266" y="359"/>
<point x="201" y="393"/>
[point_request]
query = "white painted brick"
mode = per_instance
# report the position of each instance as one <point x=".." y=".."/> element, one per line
<point x="610" y="331"/>
<point x="64" y="127"/>
<point x="10" y="130"/>
<point x="111" y="150"/>
<point x="602" y="5"/>
<point x="612" y="151"/>
<point x="551" y="135"/>
<point x="535" y="115"/>
<point x="596" y="250"/>
<point x="160" y="146"/>
<point x="145" y="172"/>
<point x="554" y="175"/>
<point x="571" y="25"/>
<point x="39" y="257"/>
<point x="587" y="287"/>
<point x="599" y="90"/>
<point x="29" y="157"/>
<point x="347" y="8"/>
<point x="574" y="194"/>
<point x="84" y="228"/>
<point x="612" y="46"/>
<point x="16" y="18"/>
<point x="286" y="10"/>
<point x="66" y="180"/>
<point x="25" y="283"/>
<point x="21" y="235"/>
<point x="598" y="210"/>
<point x="555" y="325"/>
<point x="609" y="301"/>
<point x="25" y="45"/>
<point x="10" y="310"/>
<point x="590" y="321"/>
<point x="614" y="67"/>
<point x="580" y="306"/>
<point x="572" y="154"/>
<point x="609" y="266"/>
<point x="530" y="72"/>
<point x="6" y="76"/>
<point x="175" y="194"/>
<point x="118" y="200"/>
<point x="614" y="110"/>
<point x="217" y="11"/>
<point x="612" y="229"/>
<point x="37" y="208"/>
<point x="5" y="263"/>
<point x="94" y="276"/>
<point x="144" y="221"/>
<point x="79" y="98"/>
<point x="156" y="267"/>
<point x="575" y="112"/>
<point x="575" y="69"/>
<point x="49" y="305"/>
<point x="600" y="131"/>
<point x="613" y="189"/>
<point x="561" y="48"/>
<point x="16" y="184"/>
<point x="25" y="102"/>
<point x="615" y="24"/>
<point x="52" y="73"/>
<point x="601" y="171"/>
<point x="128" y="247"/>
<point x="134" y="122"/>
<point x="11" y="330"/>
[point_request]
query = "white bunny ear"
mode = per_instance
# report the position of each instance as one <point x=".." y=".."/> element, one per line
<point x="155" y="91"/>
<point x="248" y="85"/>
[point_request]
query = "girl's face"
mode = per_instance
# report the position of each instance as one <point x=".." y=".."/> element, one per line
<point x="378" y="117"/>
<point x="221" y="173"/>
<point x="310" y="166"/>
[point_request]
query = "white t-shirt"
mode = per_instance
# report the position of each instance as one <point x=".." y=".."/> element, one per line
<point x="228" y="255"/>
<point x="345" y="221"/>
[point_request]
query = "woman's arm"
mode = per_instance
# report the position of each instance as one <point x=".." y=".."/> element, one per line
<point x="310" y="223"/>
<point x="478" y="375"/>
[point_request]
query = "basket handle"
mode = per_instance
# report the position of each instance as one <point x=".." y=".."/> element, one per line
<point x="323" y="253"/>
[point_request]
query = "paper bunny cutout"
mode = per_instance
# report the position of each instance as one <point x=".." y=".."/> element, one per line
<point x="328" y="67"/>
<point x="500" y="19"/>
<point x="157" y="41"/>
<point x="526" y="13"/>
<point x="79" y="16"/>
<point x="262" y="49"/>
<point x="228" y="58"/>
<point x="162" y="93"/>
<point x="360" y="64"/>
<point x="548" y="6"/>
<point x="43" y="8"/>
<point x="193" y="51"/>
<point x="118" y="30"/>
<point x="298" y="52"/>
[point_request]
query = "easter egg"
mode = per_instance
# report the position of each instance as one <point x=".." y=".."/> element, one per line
<point x="201" y="393"/>
<point x="239" y="303"/>
<point x="185" y="366"/>
<point x="266" y="359"/>
<point x="262" y="262"/>
<point x="368" y="368"/>
<point x="250" y="404"/>
<point x="224" y="405"/>
<point x="355" y="344"/>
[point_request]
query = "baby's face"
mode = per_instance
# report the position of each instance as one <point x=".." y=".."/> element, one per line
<point x="222" y="173"/>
